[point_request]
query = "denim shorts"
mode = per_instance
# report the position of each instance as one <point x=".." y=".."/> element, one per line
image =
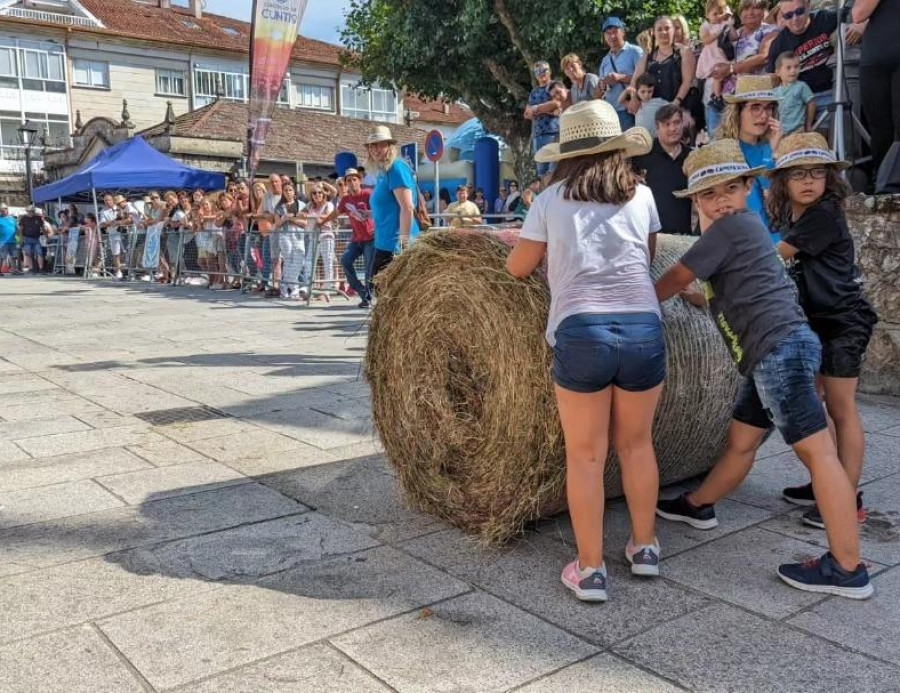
<point x="32" y="246"/>
<point x="782" y="389"/>
<point x="539" y="141"/>
<point x="594" y="351"/>
<point x="7" y="250"/>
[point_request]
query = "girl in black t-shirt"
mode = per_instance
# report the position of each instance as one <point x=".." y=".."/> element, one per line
<point x="806" y="199"/>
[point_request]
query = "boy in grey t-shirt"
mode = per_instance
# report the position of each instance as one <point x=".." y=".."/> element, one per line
<point x="754" y="305"/>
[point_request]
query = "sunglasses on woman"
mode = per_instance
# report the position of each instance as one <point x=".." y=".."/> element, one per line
<point x="760" y="108"/>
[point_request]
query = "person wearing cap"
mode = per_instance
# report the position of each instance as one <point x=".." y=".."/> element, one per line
<point x="32" y="227"/>
<point x="617" y="68"/>
<point x="596" y="226"/>
<point x="356" y="206"/>
<point x="807" y="199"/>
<point x="751" y="117"/>
<point x="393" y="199"/>
<point x="543" y="112"/>
<point x="8" y="252"/>
<point x="753" y="303"/>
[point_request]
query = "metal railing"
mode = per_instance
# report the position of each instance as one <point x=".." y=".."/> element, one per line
<point x="53" y="17"/>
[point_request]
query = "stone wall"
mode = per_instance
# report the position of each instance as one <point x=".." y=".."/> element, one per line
<point x="875" y="225"/>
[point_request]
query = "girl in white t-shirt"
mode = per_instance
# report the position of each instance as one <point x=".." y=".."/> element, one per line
<point x="320" y="208"/>
<point x="596" y="225"/>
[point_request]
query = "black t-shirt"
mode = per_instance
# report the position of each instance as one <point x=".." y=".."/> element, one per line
<point x="813" y="47"/>
<point x="751" y="299"/>
<point x="664" y="175"/>
<point x="825" y="269"/>
<point x="881" y="43"/>
<point x="32" y="226"/>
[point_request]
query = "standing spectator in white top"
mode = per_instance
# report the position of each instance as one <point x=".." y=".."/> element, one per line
<point x="596" y="225"/>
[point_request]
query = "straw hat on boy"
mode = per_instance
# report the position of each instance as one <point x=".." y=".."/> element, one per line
<point x="381" y="133"/>
<point x="718" y="162"/>
<point x="752" y="88"/>
<point x="805" y="149"/>
<point x="592" y="127"/>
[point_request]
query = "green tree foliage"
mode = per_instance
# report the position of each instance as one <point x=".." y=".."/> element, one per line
<point x="481" y="51"/>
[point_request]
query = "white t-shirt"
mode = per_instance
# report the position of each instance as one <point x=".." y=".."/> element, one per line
<point x="598" y="255"/>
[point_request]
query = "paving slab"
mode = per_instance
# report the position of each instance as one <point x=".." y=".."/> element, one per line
<point x="471" y="643"/>
<point x="33" y="505"/>
<point x="356" y="491"/>
<point x="75" y="661"/>
<point x="171" y="481"/>
<point x="318" y="668"/>
<point x="741" y="569"/>
<point x="44" y="600"/>
<point x="318" y="429"/>
<point x="63" y="423"/>
<point x="722" y="649"/>
<point x="879" y="413"/>
<point x="31" y="472"/>
<point x="263" y="463"/>
<point x="527" y="574"/>
<point x="179" y="642"/>
<point x="603" y="673"/>
<point x="871" y="627"/>
<point x="762" y="487"/>
<point x="165" y="453"/>
<point x="10" y="452"/>
<point x="82" y="441"/>
<point x="135" y="398"/>
<point x="85" y="536"/>
<point x="246" y="444"/>
<point x="61" y="406"/>
<point x="12" y="383"/>
<point x="674" y="537"/>
<point x="201" y="430"/>
<point x="249" y="552"/>
<point x="102" y="418"/>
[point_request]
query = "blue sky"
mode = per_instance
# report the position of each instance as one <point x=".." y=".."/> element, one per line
<point x="322" y="20"/>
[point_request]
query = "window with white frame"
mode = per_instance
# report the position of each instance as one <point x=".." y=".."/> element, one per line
<point x="235" y="85"/>
<point x="53" y="131"/>
<point x="32" y="65"/>
<point x="368" y="104"/>
<point x="315" y="96"/>
<point x="92" y="73"/>
<point x="170" y="82"/>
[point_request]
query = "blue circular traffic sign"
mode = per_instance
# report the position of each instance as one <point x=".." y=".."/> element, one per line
<point x="434" y="145"/>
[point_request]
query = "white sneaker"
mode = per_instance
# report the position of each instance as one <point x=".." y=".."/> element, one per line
<point x="644" y="559"/>
<point x="118" y="274"/>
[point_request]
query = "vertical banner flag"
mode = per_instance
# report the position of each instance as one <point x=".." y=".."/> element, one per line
<point x="274" y="32"/>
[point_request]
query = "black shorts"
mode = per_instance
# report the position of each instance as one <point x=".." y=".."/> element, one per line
<point x="844" y="344"/>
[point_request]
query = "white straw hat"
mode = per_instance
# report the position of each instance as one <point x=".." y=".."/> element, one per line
<point x="381" y="133"/>
<point x="752" y="88"/>
<point x="805" y="149"/>
<point x="718" y="162"/>
<point x="592" y="127"/>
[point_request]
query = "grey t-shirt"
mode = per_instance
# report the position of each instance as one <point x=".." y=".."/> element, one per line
<point x="751" y="299"/>
<point x="585" y="93"/>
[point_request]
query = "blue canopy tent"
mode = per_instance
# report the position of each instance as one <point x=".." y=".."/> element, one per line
<point x="129" y="167"/>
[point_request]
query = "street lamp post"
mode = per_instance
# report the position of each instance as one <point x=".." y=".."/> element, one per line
<point x="27" y="131"/>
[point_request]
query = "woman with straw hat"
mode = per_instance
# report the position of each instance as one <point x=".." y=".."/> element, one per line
<point x="753" y="303"/>
<point x="595" y="224"/>
<point x="751" y="118"/>
<point x="393" y="200"/>
<point x="807" y="199"/>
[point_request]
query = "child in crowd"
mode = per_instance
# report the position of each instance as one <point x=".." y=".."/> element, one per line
<point x="719" y="20"/>
<point x="796" y="105"/>
<point x="806" y="200"/>
<point x="641" y="102"/>
<point x="318" y="210"/>
<point x="754" y="305"/>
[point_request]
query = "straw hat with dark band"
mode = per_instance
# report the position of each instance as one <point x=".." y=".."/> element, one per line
<point x="716" y="163"/>
<point x="382" y="133"/>
<point x="592" y="127"/>
<point x="805" y="149"/>
<point x="752" y="88"/>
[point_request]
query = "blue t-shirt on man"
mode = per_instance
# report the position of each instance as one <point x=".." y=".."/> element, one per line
<point x="624" y="62"/>
<point x="386" y="209"/>
<point x="8" y="227"/>
<point x="760" y="155"/>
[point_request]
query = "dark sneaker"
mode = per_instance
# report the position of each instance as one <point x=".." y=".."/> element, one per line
<point x="813" y="517"/>
<point x="680" y="510"/>
<point x="588" y="589"/>
<point x="799" y="495"/>
<point x="365" y="304"/>
<point x="644" y="558"/>
<point x="825" y="575"/>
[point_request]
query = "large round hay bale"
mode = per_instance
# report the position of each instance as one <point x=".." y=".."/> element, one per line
<point x="462" y="395"/>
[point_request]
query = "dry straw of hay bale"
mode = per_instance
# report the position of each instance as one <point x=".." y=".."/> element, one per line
<point x="462" y="395"/>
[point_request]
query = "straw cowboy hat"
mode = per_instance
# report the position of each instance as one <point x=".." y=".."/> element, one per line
<point x="752" y="88"/>
<point x="381" y="133"/>
<point x="119" y="199"/>
<point x="718" y="162"/>
<point x="805" y="149"/>
<point x="592" y="127"/>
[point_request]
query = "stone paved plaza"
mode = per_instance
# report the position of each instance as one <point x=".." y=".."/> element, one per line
<point x="271" y="551"/>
